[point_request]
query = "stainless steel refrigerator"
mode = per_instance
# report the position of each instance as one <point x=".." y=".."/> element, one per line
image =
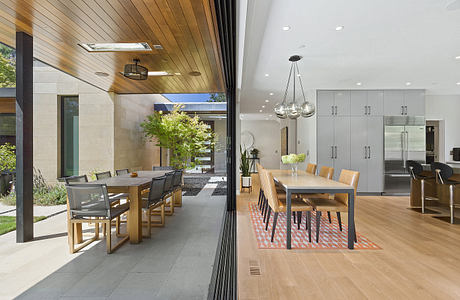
<point x="404" y="140"/>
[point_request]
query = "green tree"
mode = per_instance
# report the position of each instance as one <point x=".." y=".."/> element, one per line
<point x="217" y="97"/>
<point x="7" y="67"/>
<point x="185" y="136"/>
<point x="7" y="157"/>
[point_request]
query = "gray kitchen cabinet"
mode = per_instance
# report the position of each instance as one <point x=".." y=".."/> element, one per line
<point x="325" y="143"/>
<point x="366" y="103"/>
<point x="333" y="103"/>
<point x="404" y="102"/>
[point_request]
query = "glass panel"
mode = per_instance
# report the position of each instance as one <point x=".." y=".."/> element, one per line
<point x="7" y="129"/>
<point x="69" y="138"/>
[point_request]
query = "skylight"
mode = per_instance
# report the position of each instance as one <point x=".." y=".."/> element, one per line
<point x="109" y="47"/>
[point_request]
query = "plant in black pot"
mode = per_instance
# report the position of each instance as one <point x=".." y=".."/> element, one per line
<point x="255" y="152"/>
<point x="244" y="167"/>
<point x="7" y="166"/>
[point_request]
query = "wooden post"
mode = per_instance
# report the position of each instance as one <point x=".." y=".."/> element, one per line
<point x="24" y="138"/>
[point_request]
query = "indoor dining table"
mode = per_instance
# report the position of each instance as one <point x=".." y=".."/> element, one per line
<point x="134" y="186"/>
<point x="304" y="182"/>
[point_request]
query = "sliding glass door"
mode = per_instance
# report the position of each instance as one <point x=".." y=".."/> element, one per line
<point x="69" y="135"/>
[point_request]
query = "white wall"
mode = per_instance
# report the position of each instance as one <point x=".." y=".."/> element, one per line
<point x="267" y="137"/>
<point x="447" y="108"/>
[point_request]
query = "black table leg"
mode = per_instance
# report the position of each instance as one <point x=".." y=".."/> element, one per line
<point x="288" y="219"/>
<point x="351" y="220"/>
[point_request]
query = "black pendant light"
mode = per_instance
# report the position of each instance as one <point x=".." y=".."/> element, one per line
<point x="293" y="110"/>
<point x="135" y="71"/>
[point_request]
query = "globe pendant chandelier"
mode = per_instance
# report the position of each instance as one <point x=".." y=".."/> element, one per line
<point x="292" y="109"/>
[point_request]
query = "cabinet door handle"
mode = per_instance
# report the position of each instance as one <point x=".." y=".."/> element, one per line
<point x="365" y="109"/>
<point x="368" y="110"/>
<point x="405" y="108"/>
<point x="368" y="152"/>
<point x="332" y="109"/>
<point x="335" y="110"/>
<point x="402" y="110"/>
<point x="365" y="152"/>
<point x="332" y="152"/>
<point x="335" y="147"/>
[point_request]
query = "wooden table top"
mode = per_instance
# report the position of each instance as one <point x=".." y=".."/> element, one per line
<point x="145" y="174"/>
<point x="306" y="180"/>
<point x="126" y="180"/>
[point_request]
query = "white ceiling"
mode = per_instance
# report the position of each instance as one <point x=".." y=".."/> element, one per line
<point x="384" y="44"/>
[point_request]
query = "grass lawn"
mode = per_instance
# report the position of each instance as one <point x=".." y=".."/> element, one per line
<point x="8" y="223"/>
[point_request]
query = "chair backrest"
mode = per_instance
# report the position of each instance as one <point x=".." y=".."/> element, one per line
<point x="442" y="171"/>
<point x="414" y="168"/>
<point x="269" y="189"/>
<point x="122" y="172"/>
<point x="311" y="168"/>
<point x="76" y="179"/>
<point x="103" y="175"/>
<point x="88" y="200"/>
<point x="348" y="177"/>
<point x="156" y="168"/>
<point x="259" y="173"/>
<point x="326" y="172"/>
<point x="168" y="182"/>
<point x="177" y="178"/>
<point x="156" y="189"/>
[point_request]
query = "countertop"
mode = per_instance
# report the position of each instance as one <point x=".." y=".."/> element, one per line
<point x="455" y="166"/>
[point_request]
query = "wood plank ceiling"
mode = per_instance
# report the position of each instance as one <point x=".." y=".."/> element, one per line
<point x="186" y="29"/>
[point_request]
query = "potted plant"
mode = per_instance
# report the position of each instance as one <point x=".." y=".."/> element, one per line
<point x="7" y="166"/>
<point x="255" y="152"/>
<point x="244" y="167"/>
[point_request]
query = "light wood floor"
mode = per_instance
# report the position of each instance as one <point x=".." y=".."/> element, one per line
<point x="419" y="259"/>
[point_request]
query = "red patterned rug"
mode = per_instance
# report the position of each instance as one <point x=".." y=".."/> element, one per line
<point x="330" y="236"/>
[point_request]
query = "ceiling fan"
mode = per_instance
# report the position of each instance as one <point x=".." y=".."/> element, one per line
<point x="454" y="5"/>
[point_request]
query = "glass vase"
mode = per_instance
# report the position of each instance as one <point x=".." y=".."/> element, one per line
<point x="294" y="169"/>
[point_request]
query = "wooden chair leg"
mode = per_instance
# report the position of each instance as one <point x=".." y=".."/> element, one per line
<point x="117" y="225"/>
<point x="275" y="218"/>
<point x="299" y="219"/>
<point x="329" y="217"/>
<point x="96" y="230"/>
<point x="108" y="236"/>
<point x="149" y="221"/>
<point x="339" y="220"/>
<point x="308" y="224"/>
<point x="268" y="218"/>
<point x="163" y="214"/>
<point x="104" y="229"/>
<point x="318" y="224"/>
<point x="72" y="238"/>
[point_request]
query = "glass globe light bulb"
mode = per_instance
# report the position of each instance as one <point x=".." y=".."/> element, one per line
<point x="307" y="109"/>
<point x="293" y="110"/>
<point x="280" y="110"/>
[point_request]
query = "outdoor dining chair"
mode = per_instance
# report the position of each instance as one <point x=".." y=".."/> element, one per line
<point x="90" y="203"/>
<point x="177" y="188"/>
<point x="122" y="172"/>
<point x="155" y="200"/>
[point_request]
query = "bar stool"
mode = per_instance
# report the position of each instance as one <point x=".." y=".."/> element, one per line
<point x="443" y="172"/>
<point x="415" y="169"/>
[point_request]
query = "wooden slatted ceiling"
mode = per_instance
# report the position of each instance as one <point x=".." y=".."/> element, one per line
<point x="184" y="28"/>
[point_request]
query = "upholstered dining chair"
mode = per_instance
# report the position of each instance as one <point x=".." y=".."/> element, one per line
<point x="443" y="174"/>
<point x="311" y="168"/>
<point x="339" y="203"/>
<point x="277" y="205"/>
<point x="122" y="172"/>
<point x="90" y="203"/>
<point x="263" y="202"/>
<point x="153" y="201"/>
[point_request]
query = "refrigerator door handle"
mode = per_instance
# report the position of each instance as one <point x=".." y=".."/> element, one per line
<point x="402" y="149"/>
<point x="368" y="110"/>
<point x="407" y="146"/>
<point x="368" y="152"/>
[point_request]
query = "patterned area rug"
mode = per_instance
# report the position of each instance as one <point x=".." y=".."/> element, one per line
<point x="330" y="236"/>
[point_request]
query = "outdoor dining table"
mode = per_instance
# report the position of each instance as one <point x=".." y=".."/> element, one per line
<point x="304" y="182"/>
<point x="134" y="186"/>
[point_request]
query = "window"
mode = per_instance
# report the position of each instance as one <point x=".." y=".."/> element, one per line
<point x="7" y="128"/>
<point x="69" y="135"/>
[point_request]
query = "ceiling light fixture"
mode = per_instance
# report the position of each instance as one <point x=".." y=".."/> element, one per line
<point x="135" y="71"/>
<point x="408" y="83"/>
<point x="266" y="100"/>
<point x="271" y="94"/>
<point x="177" y="74"/>
<point x="359" y="84"/>
<point x="158" y="73"/>
<point x="293" y="110"/>
<point x="457" y="57"/>
<point x="458" y="83"/>
<point x="286" y="28"/>
<point x="101" y="74"/>
<point x="266" y="74"/>
<point x="339" y="28"/>
<point x="260" y="110"/>
<point x="115" y="47"/>
<point x="263" y="106"/>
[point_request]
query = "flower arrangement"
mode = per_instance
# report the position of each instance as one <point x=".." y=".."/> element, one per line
<point x="293" y="160"/>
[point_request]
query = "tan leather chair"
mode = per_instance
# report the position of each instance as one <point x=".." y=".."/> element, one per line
<point x="278" y="205"/>
<point x="311" y="168"/>
<point x="339" y="203"/>
<point x="263" y="204"/>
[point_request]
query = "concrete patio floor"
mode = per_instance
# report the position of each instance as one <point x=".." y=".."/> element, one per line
<point x="175" y="263"/>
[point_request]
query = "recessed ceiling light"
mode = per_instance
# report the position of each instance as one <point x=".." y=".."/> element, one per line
<point x="458" y="83"/>
<point x="266" y="100"/>
<point x="408" y="83"/>
<point x="266" y="74"/>
<point x="158" y="47"/>
<point x="102" y="74"/>
<point x="338" y="28"/>
<point x="263" y="106"/>
<point x="270" y="116"/>
<point x="177" y="74"/>
<point x="298" y="75"/>
<point x="286" y="28"/>
<point x="457" y="57"/>
<point x="158" y="73"/>
<point x="358" y="83"/>
<point x="115" y="47"/>
<point x="271" y="94"/>
<point x="260" y="110"/>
